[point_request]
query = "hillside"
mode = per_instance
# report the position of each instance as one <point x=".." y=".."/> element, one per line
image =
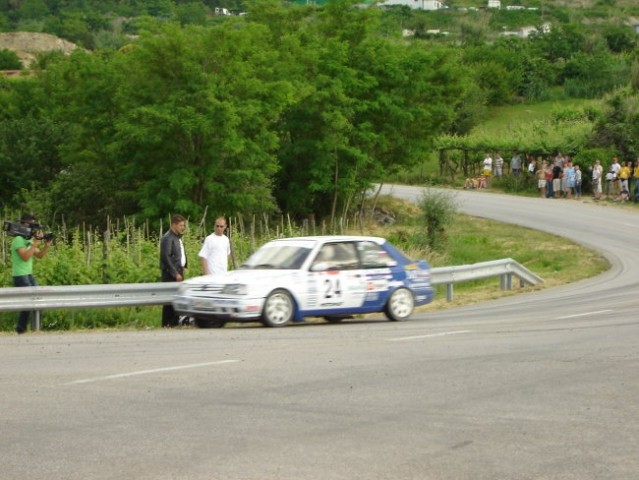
<point x="27" y="45"/>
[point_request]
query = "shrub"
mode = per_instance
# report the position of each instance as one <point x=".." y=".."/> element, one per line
<point x="438" y="211"/>
<point x="9" y="60"/>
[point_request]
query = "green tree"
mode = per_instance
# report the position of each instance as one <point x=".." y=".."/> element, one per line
<point x="9" y="60"/>
<point x="560" y="43"/>
<point x="191" y="13"/>
<point x="620" y="38"/>
<point x="370" y="107"/>
<point x="33" y="9"/>
<point x="590" y="75"/>
<point x="80" y="92"/>
<point x="618" y="128"/>
<point x="197" y="131"/>
<point x="28" y="158"/>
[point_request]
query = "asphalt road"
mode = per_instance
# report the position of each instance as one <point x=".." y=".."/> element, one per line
<point x="535" y="386"/>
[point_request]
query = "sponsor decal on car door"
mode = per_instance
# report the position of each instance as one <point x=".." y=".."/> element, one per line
<point x="340" y="289"/>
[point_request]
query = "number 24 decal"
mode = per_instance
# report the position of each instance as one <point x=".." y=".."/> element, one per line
<point x="332" y="288"/>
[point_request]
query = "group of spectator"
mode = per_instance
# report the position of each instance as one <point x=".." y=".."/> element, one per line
<point x="559" y="177"/>
<point x="214" y="256"/>
<point x="616" y="182"/>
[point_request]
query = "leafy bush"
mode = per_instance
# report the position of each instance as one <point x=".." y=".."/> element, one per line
<point x="9" y="60"/>
<point x="438" y="210"/>
<point x="515" y="183"/>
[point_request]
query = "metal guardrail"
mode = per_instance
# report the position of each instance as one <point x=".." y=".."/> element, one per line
<point x="84" y="296"/>
<point x="143" y="294"/>
<point x="505" y="268"/>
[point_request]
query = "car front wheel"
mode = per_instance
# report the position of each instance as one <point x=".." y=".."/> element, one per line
<point x="400" y="305"/>
<point x="279" y="309"/>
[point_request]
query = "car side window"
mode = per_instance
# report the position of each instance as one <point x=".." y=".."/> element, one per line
<point x="346" y="256"/>
<point x="374" y="256"/>
<point x="337" y="256"/>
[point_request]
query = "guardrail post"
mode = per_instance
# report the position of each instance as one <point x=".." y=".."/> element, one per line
<point x="35" y="320"/>
<point x="506" y="281"/>
<point x="449" y="292"/>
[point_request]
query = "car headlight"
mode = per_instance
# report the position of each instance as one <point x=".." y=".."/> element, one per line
<point x="235" y="289"/>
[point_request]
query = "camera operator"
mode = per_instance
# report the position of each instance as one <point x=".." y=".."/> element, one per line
<point x="22" y="252"/>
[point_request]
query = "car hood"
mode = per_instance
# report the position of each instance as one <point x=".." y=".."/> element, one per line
<point x="249" y="277"/>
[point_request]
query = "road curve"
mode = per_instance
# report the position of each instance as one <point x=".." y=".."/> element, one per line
<point x="612" y="231"/>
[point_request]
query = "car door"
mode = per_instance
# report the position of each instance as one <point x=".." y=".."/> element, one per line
<point x="336" y="281"/>
<point x="377" y="271"/>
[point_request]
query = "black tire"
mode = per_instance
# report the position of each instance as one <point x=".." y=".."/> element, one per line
<point x="330" y="319"/>
<point x="204" y="322"/>
<point x="279" y="309"/>
<point x="400" y="305"/>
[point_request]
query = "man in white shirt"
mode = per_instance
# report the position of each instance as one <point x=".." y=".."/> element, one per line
<point x="214" y="254"/>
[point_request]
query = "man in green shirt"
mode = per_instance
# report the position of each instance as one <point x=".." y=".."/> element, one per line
<point x="23" y="250"/>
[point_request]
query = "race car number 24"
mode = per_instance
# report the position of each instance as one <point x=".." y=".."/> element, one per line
<point x="332" y="288"/>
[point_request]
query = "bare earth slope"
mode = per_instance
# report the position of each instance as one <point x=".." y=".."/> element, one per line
<point x="28" y="45"/>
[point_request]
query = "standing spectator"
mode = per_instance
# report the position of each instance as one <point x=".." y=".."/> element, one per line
<point x="532" y="165"/>
<point x="578" y="181"/>
<point x="557" y="173"/>
<point x="548" y="173"/>
<point x="635" y="174"/>
<point x="487" y="168"/>
<point x="172" y="263"/>
<point x="614" y="168"/>
<point x="569" y="178"/>
<point x="499" y="165"/>
<point x="541" y="178"/>
<point x="597" y="173"/>
<point x="515" y="163"/>
<point x="23" y="250"/>
<point x="624" y="176"/>
<point x="214" y="254"/>
<point x="610" y="177"/>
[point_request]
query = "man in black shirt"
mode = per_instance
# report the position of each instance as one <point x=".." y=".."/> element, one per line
<point x="172" y="263"/>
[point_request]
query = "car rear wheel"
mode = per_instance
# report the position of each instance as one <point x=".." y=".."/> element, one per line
<point x="279" y="309"/>
<point x="203" y="322"/>
<point x="400" y="305"/>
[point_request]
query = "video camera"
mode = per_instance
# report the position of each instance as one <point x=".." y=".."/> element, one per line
<point x="27" y="230"/>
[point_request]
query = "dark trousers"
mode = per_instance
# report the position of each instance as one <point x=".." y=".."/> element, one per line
<point x="23" y="317"/>
<point x="169" y="318"/>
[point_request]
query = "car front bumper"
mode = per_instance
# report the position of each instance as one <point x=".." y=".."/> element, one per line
<point x="238" y="308"/>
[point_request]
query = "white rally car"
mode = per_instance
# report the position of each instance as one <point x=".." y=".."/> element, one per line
<point x="333" y="277"/>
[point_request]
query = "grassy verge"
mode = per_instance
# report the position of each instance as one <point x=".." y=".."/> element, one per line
<point x="557" y="260"/>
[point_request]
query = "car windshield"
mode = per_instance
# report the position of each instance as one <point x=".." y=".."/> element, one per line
<point x="279" y="255"/>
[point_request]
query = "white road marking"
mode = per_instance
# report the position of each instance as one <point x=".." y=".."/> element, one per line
<point x="146" y="372"/>
<point x="430" y="335"/>
<point x="587" y="314"/>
